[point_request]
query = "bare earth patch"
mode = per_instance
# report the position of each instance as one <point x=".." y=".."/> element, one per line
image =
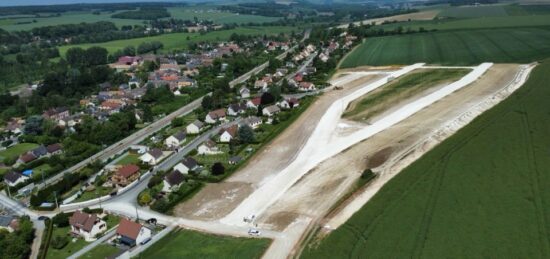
<point x="418" y="16"/>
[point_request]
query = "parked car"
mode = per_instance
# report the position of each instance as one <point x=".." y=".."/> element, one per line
<point x="254" y="232"/>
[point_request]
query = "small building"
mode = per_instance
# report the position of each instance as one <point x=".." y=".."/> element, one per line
<point x="195" y="128"/>
<point x="271" y="110"/>
<point x="9" y="223"/>
<point x="244" y="92"/>
<point x="209" y="147"/>
<point x="215" y="116"/>
<point x="175" y="140"/>
<point x="152" y="157"/>
<point x="186" y="165"/>
<point x="26" y="158"/>
<point x="54" y="149"/>
<point x="260" y="84"/>
<point x="306" y="86"/>
<point x="125" y="175"/>
<point x="227" y="134"/>
<point x="13" y="178"/>
<point x="289" y="103"/>
<point x="234" y="160"/>
<point x="131" y="233"/>
<point x="86" y="225"/>
<point x="172" y="181"/>
<point x="254" y="103"/>
<point x="236" y="109"/>
<point x="252" y="121"/>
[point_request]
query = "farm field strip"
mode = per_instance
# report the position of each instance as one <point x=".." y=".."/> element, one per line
<point x="399" y="91"/>
<point x="464" y="47"/>
<point x="311" y="154"/>
<point x="482" y="184"/>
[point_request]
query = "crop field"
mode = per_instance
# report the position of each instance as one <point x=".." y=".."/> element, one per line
<point x="191" y="244"/>
<point x="204" y="13"/>
<point x="173" y="41"/>
<point x="465" y="47"/>
<point x="375" y="103"/>
<point x="474" y="11"/>
<point x="26" y="23"/>
<point x="482" y="193"/>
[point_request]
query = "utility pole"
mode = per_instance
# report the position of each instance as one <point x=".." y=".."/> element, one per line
<point x="55" y="196"/>
<point x="9" y="193"/>
<point x="137" y="215"/>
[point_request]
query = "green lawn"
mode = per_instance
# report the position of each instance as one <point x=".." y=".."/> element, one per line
<point x="381" y="100"/>
<point x="100" y="252"/>
<point x="129" y="159"/>
<point x="463" y="47"/>
<point x="69" y="249"/>
<point x="480" y="194"/>
<point x="16" y="151"/>
<point x="191" y="244"/>
<point x="89" y="195"/>
<point x="173" y="41"/>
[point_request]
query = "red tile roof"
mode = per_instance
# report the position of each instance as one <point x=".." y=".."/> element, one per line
<point x="83" y="220"/>
<point x="128" y="170"/>
<point x="128" y="229"/>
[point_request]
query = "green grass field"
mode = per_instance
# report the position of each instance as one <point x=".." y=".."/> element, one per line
<point x="191" y="244"/>
<point x="23" y="24"/>
<point x="480" y="194"/>
<point x="206" y="13"/>
<point x="381" y="100"/>
<point x="100" y="252"/>
<point x="474" y="11"/>
<point x="175" y="41"/>
<point x="15" y="151"/>
<point x="463" y="47"/>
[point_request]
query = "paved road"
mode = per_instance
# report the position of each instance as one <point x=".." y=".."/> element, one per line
<point x="131" y="194"/>
<point x="127" y="142"/>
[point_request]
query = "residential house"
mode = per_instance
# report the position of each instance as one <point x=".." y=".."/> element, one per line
<point x="306" y="86"/>
<point x="54" y="149"/>
<point x="289" y="103"/>
<point x="209" y="147"/>
<point x="227" y="134"/>
<point x="170" y="67"/>
<point x="215" y="116"/>
<point x="125" y="175"/>
<point x="186" y="165"/>
<point x="56" y="114"/>
<point x="299" y="77"/>
<point x="172" y="181"/>
<point x="152" y="157"/>
<point x="310" y="70"/>
<point x="131" y="233"/>
<point x="26" y="158"/>
<point x="252" y="121"/>
<point x="15" y="127"/>
<point x="260" y="84"/>
<point x="195" y="128"/>
<point x="13" y="179"/>
<point x="134" y="82"/>
<point x="254" y="103"/>
<point x="86" y="225"/>
<point x="244" y="92"/>
<point x="236" y="109"/>
<point x="175" y="140"/>
<point x="9" y="223"/>
<point x="271" y="110"/>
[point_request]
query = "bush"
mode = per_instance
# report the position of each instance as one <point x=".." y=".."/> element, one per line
<point x="218" y="168"/>
<point x="61" y="220"/>
<point x="58" y="242"/>
<point x="367" y="174"/>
